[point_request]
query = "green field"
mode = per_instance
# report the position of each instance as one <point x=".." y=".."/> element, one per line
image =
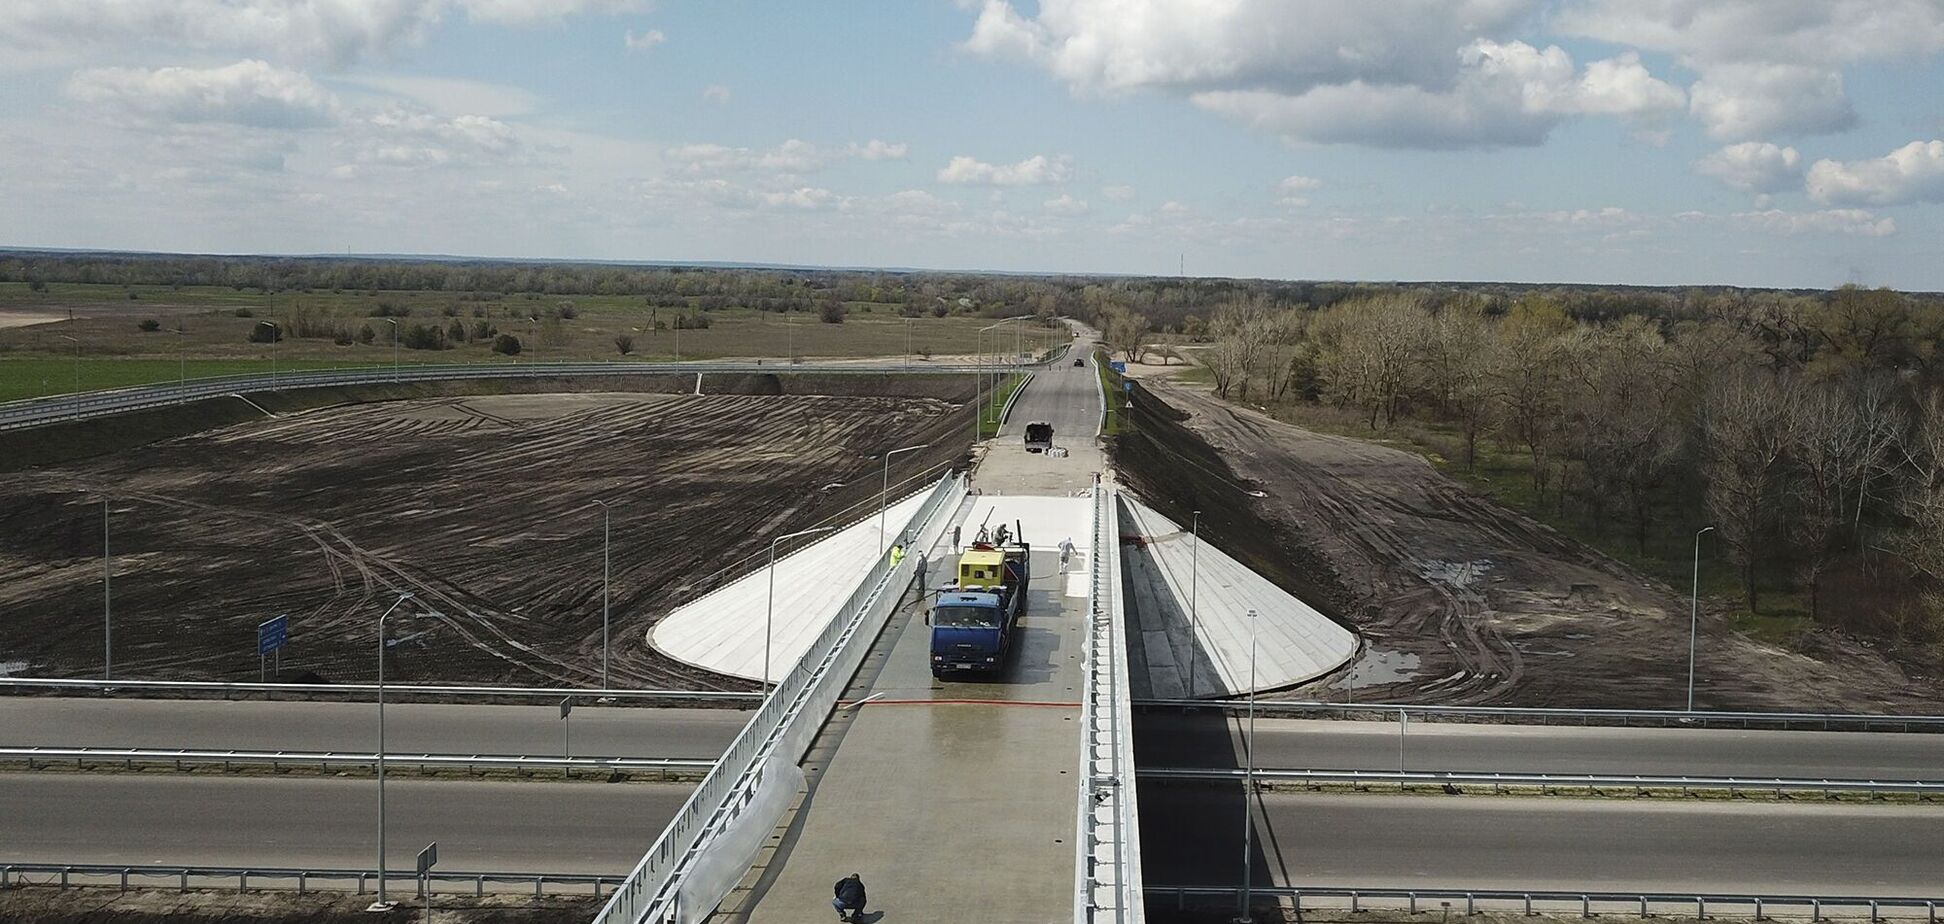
<point x="40" y="359"/>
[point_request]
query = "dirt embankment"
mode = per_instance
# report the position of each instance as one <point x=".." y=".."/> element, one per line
<point x="481" y="506"/>
<point x="1459" y="600"/>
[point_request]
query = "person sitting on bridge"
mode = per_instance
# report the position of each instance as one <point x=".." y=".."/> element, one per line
<point x="850" y="898"/>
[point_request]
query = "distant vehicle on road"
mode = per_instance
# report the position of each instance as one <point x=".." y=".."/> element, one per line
<point x="1079" y="361"/>
<point x="1039" y="436"/>
<point x="972" y="622"/>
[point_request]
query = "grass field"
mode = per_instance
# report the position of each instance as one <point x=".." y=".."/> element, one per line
<point x="38" y="359"/>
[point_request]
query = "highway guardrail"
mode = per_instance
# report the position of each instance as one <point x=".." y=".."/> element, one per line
<point x="392" y="690"/>
<point x="65" y="875"/>
<point x="36" y="411"/>
<point x="1669" y="718"/>
<point x="184" y="757"/>
<point x="1701" y="906"/>
<point x="1547" y="781"/>
<point x="1108" y="865"/>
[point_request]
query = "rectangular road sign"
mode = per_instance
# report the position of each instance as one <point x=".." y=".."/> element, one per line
<point x="272" y="634"/>
<point x="428" y="857"/>
<point x="1117" y="365"/>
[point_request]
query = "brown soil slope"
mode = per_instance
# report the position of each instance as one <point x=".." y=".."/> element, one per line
<point x="1461" y="601"/>
<point x="481" y="506"/>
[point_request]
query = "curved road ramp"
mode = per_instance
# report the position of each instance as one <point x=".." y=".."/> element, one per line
<point x="1195" y="604"/>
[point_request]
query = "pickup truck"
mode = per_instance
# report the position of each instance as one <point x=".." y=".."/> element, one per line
<point x="972" y="624"/>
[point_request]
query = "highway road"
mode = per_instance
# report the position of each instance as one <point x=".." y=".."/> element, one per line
<point x="599" y="731"/>
<point x="1379" y="841"/>
<point x="1206" y="739"/>
<point x="235" y="821"/>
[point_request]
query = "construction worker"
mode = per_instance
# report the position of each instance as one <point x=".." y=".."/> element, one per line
<point x="1066" y="553"/>
<point x="897" y="554"/>
<point x="921" y="574"/>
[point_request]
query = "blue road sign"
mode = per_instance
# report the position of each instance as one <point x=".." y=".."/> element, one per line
<point x="272" y="634"/>
<point x="1117" y="365"/>
<point x="1128" y="387"/>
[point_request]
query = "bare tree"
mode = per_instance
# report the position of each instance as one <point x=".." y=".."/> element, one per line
<point x="1744" y="426"/>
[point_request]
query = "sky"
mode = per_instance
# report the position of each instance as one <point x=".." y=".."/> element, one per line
<point x="1793" y="143"/>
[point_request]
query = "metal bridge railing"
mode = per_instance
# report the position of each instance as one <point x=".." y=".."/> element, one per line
<point x="183" y="757"/>
<point x="302" y="879"/>
<point x="649" y="893"/>
<point x="1544" y="781"/>
<point x="1701" y="906"/>
<point x="1383" y="712"/>
<point x="1108" y="865"/>
<point x="392" y="690"/>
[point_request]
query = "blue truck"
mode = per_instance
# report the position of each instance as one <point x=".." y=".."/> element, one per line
<point x="972" y="621"/>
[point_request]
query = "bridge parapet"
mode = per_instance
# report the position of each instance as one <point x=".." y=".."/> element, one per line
<point x="1107" y="869"/>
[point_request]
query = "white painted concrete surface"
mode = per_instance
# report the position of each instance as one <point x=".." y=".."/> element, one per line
<point x="1294" y="642"/>
<point x="723" y="631"/>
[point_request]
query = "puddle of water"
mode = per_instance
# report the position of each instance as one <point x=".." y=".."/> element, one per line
<point x="1456" y="574"/>
<point x="1380" y="666"/>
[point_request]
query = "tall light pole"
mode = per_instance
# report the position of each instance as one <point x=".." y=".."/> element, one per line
<point x="605" y="573"/>
<point x="394" y="323"/>
<point x="769" y="613"/>
<point x="907" y="353"/>
<point x="182" y="360"/>
<point x="1694" y="614"/>
<point x="1248" y="786"/>
<point x="979" y="344"/>
<point x="884" y="493"/>
<point x="1194" y="584"/>
<point x="107" y="600"/>
<point x="77" y="361"/>
<point x="276" y="334"/>
<point x="382" y="904"/>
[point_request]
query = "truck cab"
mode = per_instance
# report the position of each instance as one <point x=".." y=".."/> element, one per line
<point x="1039" y="436"/>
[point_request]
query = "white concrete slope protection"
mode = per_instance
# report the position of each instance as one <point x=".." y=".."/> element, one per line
<point x="1294" y="642"/>
<point x="724" y="630"/>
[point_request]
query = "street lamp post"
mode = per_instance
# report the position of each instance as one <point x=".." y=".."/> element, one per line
<point x="907" y="353"/>
<point x="182" y="360"/>
<point x="276" y="335"/>
<point x="394" y="323"/>
<point x="1194" y="584"/>
<point x="107" y="600"/>
<point x="1248" y="786"/>
<point x="605" y="576"/>
<point x="884" y="493"/>
<point x="382" y="904"/>
<point x="769" y="612"/>
<point x="1694" y="614"/>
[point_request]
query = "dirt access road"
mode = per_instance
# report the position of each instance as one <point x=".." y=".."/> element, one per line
<point x="1461" y="601"/>
<point x="481" y="506"/>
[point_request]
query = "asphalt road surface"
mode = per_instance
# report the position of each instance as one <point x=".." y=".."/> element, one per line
<point x="1375" y="841"/>
<point x="1205" y="739"/>
<point x="1064" y="395"/>
<point x="236" y="821"/>
<point x="598" y="731"/>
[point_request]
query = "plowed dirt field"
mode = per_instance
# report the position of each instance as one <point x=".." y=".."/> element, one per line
<point x="480" y="506"/>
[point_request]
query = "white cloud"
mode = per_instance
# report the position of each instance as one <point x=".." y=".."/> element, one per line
<point x="251" y="93"/>
<point x="644" y="41"/>
<point x="1912" y="173"/>
<point x="1293" y="190"/>
<point x="1118" y="193"/>
<point x="1503" y="94"/>
<point x="1753" y="167"/>
<point x="1066" y="205"/>
<point x="453" y="95"/>
<point x="1858" y="222"/>
<point x="404" y="138"/>
<point x="1033" y="171"/>
<point x="1751" y="100"/>
<point x="716" y="93"/>
<point x="879" y="150"/>
<point x="1766" y="66"/>
<point x="335" y="31"/>
<point x="1171" y="207"/>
